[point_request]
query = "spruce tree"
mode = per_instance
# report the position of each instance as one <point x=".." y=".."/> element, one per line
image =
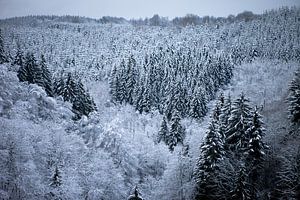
<point x="121" y="81"/>
<point x="226" y="110"/>
<point x="163" y="131"/>
<point x="294" y="98"/>
<point x="256" y="146"/>
<point x="69" y="89"/>
<point x="131" y="77"/>
<point x="241" y="190"/>
<point x="3" y="56"/>
<point x="255" y="152"/>
<point x="46" y="77"/>
<point x="177" y="132"/>
<point x="238" y="123"/>
<point x="30" y="72"/>
<point x="198" y="107"/>
<point x="114" y="85"/>
<point x="209" y="163"/>
<point x="23" y="72"/>
<point x="59" y="85"/>
<point x="19" y="58"/>
<point x="56" y="179"/>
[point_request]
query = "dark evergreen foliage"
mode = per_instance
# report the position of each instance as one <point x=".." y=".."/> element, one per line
<point x="19" y="58"/>
<point x="233" y="144"/>
<point x="207" y="167"/>
<point x="294" y="98"/>
<point x="74" y="92"/>
<point x="238" y="123"/>
<point x="241" y="190"/>
<point x="56" y="179"/>
<point x="46" y="77"/>
<point x="163" y="131"/>
<point x="177" y="131"/>
<point x="3" y="56"/>
<point x="166" y="80"/>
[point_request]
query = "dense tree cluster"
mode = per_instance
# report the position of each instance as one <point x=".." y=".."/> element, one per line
<point x="73" y="91"/>
<point x="233" y="149"/>
<point x="183" y="80"/>
<point x="172" y="134"/>
<point x="37" y="72"/>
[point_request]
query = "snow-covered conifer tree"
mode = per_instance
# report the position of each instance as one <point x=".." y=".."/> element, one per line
<point x="238" y="123"/>
<point x="3" y="56"/>
<point x="294" y="98"/>
<point x="163" y="131"/>
<point x="177" y="131"/>
<point x="131" y="78"/>
<point x="46" y="76"/>
<point x="19" y="58"/>
<point x="212" y="152"/>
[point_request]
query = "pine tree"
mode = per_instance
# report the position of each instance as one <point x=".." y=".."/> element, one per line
<point x="56" y="179"/>
<point x="138" y="96"/>
<point x="145" y="103"/>
<point x="198" y="107"/>
<point x="255" y="133"/>
<point x="3" y="56"/>
<point x="163" y="131"/>
<point x="114" y="85"/>
<point x="177" y="132"/>
<point x="135" y="195"/>
<point x="238" y="123"/>
<point x="207" y="167"/>
<point x="121" y="78"/>
<point x="294" y="98"/>
<point x="241" y="190"/>
<point x="30" y="72"/>
<point x="255" y="152"/>
<point x="131" y="77"/>
<point x="69" y="89"/>
<point x="59" y="85"/>
<point x="19" y="58"/>
<point x="46" y="77"/>
<point x="83" y="104"/>
<point x="23" y="72"/>
<point x="226" y="110"/>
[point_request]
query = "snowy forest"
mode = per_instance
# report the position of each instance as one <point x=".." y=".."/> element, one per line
<point x="194" y="108"/>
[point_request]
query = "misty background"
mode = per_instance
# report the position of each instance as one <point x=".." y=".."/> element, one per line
<point x="137" y="8"/>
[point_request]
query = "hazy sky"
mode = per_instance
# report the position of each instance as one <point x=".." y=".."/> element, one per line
<point x="137" y="8"/>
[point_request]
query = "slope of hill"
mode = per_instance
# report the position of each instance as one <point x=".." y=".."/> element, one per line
<point x="178" y="76"/>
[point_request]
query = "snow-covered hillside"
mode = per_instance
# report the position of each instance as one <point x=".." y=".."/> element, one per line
<point x="152" y="96"/>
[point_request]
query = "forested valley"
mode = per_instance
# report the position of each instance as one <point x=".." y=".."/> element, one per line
<point x="194" y="108"/>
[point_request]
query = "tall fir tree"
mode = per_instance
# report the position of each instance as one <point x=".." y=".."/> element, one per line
<point x="19" y="58"/>
<point x="294" y="98"/>
<point x="46" y="77"/>
<point x="56" y="179"/>
<point x="208" y="165"/>
<point x="177" y="131"/>
<point x="83" y="104"/>
<point x="131" y="78"/>
<point x="198" y="107"/>
<point x="114" y="84"/>
<point x="241" y="190"/>
<point x="255" y="152"/>
<point x="238" y="123"/>
<point x="59" y="85"/>
<point x="3" y="56"/>
<point x="31" y="71"/>
<point x="163" y="132"/>
<point x="69" y="89"/>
